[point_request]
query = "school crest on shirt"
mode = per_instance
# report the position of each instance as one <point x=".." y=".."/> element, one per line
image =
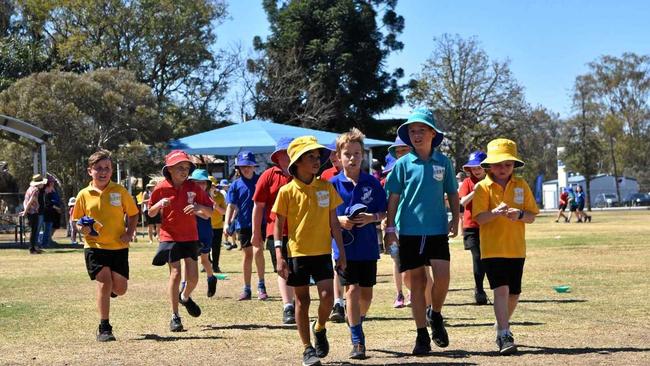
<point x="190" y="197"/>
<point x="323" y="198"/>
<point x="116" y="199"/>
<point x="438" y="173"/>
<point x="519" y="196"/>
<point x="366" y="195"/>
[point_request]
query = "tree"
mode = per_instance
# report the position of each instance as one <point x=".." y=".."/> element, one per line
<point x="323" y="64"/>
<point x="537" y="141"/>
<point x="99" y="109"/>
<point x="474" y="99"/>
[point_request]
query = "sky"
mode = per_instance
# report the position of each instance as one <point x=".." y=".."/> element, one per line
<point x="548" y="43"/>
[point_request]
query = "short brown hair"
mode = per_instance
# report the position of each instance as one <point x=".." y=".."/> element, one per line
<point x="354" y="135"/>
<point x="98" y="156"/>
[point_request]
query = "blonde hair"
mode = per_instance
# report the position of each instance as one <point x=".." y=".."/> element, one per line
<point x="354" y="135"/>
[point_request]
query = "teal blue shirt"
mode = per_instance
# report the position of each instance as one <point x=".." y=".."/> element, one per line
<point x="422" y="186"/>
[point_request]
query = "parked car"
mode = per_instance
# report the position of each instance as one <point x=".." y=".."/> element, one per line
<point x="606" y="200"/>
<point x="637" y="199"/>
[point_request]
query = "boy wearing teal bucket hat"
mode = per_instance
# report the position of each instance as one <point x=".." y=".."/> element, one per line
<point x="417" y="186"/>
<point x="204" y="227"/>
<point x="502" y="205"/>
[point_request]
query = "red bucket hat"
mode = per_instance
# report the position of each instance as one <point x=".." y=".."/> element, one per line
<point x="175" y="157"/>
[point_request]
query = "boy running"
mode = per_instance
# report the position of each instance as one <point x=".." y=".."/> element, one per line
<point x="502" y="205"/>
<point x="107" y="253"/>
<point x="204" y="227"/>
<point x="180" y="200"/>
<point x="417" y="186"/>
<point x="358" y="189"/>
<point x="308" y="205"/>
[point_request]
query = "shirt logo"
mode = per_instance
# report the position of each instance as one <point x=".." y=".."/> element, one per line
<point x="519" y="196"/>
<point x="438" y="173"/>
<point x="366" y="195"/>
<point x="190" y="197"/>
<point x="116" y="199"/>
<point x="323" y="198"/>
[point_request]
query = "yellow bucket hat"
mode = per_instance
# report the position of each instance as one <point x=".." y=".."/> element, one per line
<point x="303" y="144"/>
<point x="499" y="150"/>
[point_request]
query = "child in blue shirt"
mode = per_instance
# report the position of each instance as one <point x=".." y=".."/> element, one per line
<point x="204" y="227"/>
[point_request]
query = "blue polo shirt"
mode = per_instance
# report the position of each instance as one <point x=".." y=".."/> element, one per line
<point x="240" y="194"/>
<point x="369" y="192"/>
<point x="421" y="186"/>
<point x="204" y="227"/>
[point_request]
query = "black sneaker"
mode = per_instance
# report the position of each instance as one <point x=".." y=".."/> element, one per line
<point x="113" y="295"/>
<point x="506" y="344"/>
<point x="480" y="297"/>
<point x="309" y="357"/>
<point x="422" y="345"/>
<point x="175" y="324"/>
<point x="212" y="286"/>
<point x="321" y="344"/>
<point x="192" y="308"/>
<point x="338" y="314"/>
<point x="438" y="331"/>
<point x="358" y="352"/>
<point x="289" y="315"/>
<point x="105" y="333"/>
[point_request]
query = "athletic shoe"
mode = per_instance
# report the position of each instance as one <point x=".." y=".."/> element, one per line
<point x="422" y="346"/>
<point x="480" y="297"/>
<point x="216" y="270"/>
<point x="289" y="315"/>
<point x="399" y="301"/>
<point x="438" y="331"/>
<point x="321" y="344"/>
<point x="113" y="295"/>
<point x="589" y="218"/>
<point x="212" y="286"/>
<point x="358" y="352"/>
<point x="261" y="293"/>
<point x="105" y="333"/>
<point x="309" y="357"/>
<point x="506" y="344"/>
<point x="407" y="302"/>
<point x="245" y="295"/>
<point x="338" y="314"/>
<point x="175" y="324"/>
<point x="192" y="308"/>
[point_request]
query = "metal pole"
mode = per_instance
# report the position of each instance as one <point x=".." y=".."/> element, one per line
<point x="43" y="159"/>
<point x="35" y="160"/>
<point x="119" y="175"/>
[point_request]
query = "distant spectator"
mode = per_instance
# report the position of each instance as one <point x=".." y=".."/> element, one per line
<point x="564" y="202"/>
<point x="33" y="210"/>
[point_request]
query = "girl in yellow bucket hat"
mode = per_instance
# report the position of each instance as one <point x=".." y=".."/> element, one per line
<point x="502" y="205"/>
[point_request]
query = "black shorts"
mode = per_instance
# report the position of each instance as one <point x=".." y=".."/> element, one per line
<point x="471" y="238"/>
<point x="504" y="272"/>
<point x="417" y="251"/>
<point x="573" y="208"/>
<point x="116" y="260"/>
<point x="318" y="267"/>
<point x="152" y="220"/>
<point x="581" y="206"/>
<point x="362" y="273"/>
<point x="270" y="245"/>
<point x="244" y="236"/>
<point x="172" y="251"/>
<point x="562" y="207"/>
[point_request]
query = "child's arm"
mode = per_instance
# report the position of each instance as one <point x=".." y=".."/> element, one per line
<point x="524" y="216"/>
<point x="390" y="236"/>
<point x="282" y="269"/>
<point x="202" y="211"/>
<point x="335" y="229"/>
<point x="231" y="213"/>
<point x="131" y="225"/>
<point x="452" y="198"/>
<point x="465" y="200"/>
<point x="219" y="207"/>
<point x="258" y="230"/>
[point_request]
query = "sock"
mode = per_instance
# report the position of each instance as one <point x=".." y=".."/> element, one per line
<point x="183" y="298"/>
<point x="503" y="332"/>
<point x="104" y="322"/>
<point x="319" y="327"/>
<point x="362" y="318"/>
<point x="423" y="333"/>
<point x="436" y="316"/>
<point x="339" y="301"/>
<point x="356" y="333"/>
<point x="247" y="288"/>
<point x="260" y="284"/>
<point x="288" y="306"/>
<point x="306" y="345"/>
<point x="174" y="315"/>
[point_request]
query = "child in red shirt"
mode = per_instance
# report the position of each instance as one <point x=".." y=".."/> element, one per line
<point x="182" y="200"/>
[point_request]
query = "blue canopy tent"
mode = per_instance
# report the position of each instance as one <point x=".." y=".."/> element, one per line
<point x="256" y="136"/>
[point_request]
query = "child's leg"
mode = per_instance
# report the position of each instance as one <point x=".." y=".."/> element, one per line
<point x="120" y="284"/>
<point x="428" y="290"/>
<point x="440" y="270"/>
<point x="501" y="312"/>
<point x="205" y="262"/>
<point x="172" y="285"/>
<point x="397" y="277"/>
<point x="418" y="284"/>
<point x="513" y="300"/>
<point x="258" y="253"/>
<point x="302" y="314"/>
<point x="104" y="287"/>
<point x="191" y="277"/>
<point x="352" y="299"/>
<point x="326" y="296"/>
<point x="365" y="300"/>
<point x="286" y="292"/>
<point x="217" y="235"/>
<point x="247" y="265"/>
<point x="150" y="229"/>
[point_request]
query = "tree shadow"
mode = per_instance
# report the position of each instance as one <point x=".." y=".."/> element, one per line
<point x="158" y="338"/>
<point x="248" y="327"/>
<point x="553" y="301"/>
<point x="397" y="354"/>
<point x="467" y="325"/>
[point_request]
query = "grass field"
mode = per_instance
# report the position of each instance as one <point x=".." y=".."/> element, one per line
<point x="48" y="314"/>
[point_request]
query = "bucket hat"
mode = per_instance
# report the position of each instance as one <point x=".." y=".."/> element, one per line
<point x="245" y="158"/>
<point x="176" y="157"/>
<point x="421" y="115"/>
<point x="281" y="145"/>
<point x="499" y="150"/>
<point x="398" y="143"/>
<point x="37" y="179"/>
<point x="303" y="144"/>
<point x="475" y="159"/>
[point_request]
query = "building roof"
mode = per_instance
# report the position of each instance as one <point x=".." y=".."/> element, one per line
<point x="580" y="178"/>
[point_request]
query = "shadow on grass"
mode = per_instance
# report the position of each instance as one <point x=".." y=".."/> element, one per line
<point x="467" y="325"/>
<point x="539" y="350"/>
<point x="158" y="338"/>
<point x="424" y="358"/>
<point x="291" y="327"/>
<point x="553" y="301"/>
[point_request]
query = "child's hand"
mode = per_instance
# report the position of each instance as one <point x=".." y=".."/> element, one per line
<point x="390" y="238"/>
<point x="125" y="238"/>
<point x="501" y="209"/>
<point x="346" y="223"/>
<point x="453" y="228"/>
<point x="363" y="219"/>
<point x="256" y="239"/>
<point x="513" y="214"/>
<point x="282" y="268"/>
<point x="341" y="264"/>
<point x="190" y="209"/>
<point x="165" y="202"/>
<point x="83" y="229"/>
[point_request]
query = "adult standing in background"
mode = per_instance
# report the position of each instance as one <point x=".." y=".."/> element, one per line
<point x="33" y="205"/>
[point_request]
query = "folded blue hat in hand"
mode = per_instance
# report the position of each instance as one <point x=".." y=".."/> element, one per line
<point x="89" y="221"/>
<point x="355" y="209"/>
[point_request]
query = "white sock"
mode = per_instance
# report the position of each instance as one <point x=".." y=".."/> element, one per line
<point x="503" y="332"/>
<point x="288" y="305"/>
<point x="339" y="301"/>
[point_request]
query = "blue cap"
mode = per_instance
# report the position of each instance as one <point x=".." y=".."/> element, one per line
<point x="390" y="163"/>
<point x="421" y="115"/>
<point x="331" y="146"/>
<point x="398" y="142"/>
<point x="245" y="158"/>
<point x="200" y="175"/>
<point x="475" y="159"/>
<point x="223" y="183"/>
<point x="281" y="145"/>
<point x="355" y="209"/>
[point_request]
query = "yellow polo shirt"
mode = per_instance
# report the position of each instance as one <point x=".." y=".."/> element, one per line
<point x="217" y="218"/>
<point x="109" y="208"/>
<point x="306" y="208"/>
<point x="501" y="237"/>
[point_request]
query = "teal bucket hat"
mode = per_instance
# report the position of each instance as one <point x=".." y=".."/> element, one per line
<point x="421" y="115"/>
<point x="200" y="175"/>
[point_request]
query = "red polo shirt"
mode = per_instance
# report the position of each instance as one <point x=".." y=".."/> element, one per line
<point x="466" y="188"/>
<point x="329" y="173"/>
<point x="266" y="191"/>
<point x="177" y="225"/>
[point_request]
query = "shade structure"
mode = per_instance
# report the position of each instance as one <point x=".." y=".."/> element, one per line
<point x="256" y="136"/>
